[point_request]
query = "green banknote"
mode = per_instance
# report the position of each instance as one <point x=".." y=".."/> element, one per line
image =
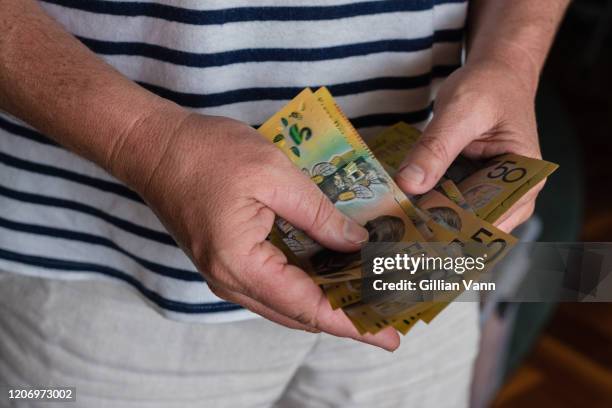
<point x="321" y="142"/>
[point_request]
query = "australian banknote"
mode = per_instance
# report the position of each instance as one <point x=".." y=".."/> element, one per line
<point x="314" y="133"/>
<point x="321" y="142"/>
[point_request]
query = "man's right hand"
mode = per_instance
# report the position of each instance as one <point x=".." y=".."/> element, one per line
<point x="217" y="187"/>
<point x="215" y="183"/>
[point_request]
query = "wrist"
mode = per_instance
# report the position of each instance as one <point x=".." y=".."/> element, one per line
<point x="138" y="149"/>
<point x="511" y="64"/>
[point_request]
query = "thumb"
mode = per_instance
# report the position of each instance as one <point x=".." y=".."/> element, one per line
<point x="298" y="200"/>
<point x="448" y="133"/>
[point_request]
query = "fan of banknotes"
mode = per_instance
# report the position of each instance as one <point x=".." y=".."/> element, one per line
<point x="358" y="178"/>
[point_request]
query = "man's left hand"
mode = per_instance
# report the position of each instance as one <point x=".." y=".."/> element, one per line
<point x="482" y="110"/>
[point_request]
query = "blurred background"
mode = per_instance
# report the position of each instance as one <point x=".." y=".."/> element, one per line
<point x="561" y="355"/>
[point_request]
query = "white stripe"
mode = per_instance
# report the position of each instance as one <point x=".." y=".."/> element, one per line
<point x="209" y="39"/>
<point x="277" y="34"/>
<point x="450" y="16"/>
<point x="227" y="4"/>
<point x="77" y="221"/>
<point x="219" y="317"/>
<point x="54" y="154"/>
<point x="57" y="248"/>
<point x="214" y="317"/>
<point x="385" y="101"/>
<point x="283" y="74"/>
<point x="354" y="105"/>
<point x="42" y="184"/>
<point x="113" y="204"/>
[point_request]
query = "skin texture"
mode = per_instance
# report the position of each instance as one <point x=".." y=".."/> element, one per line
<point x="212" y="199"/>
<point x="486" y="108"/>
<point x="225" y="234"/>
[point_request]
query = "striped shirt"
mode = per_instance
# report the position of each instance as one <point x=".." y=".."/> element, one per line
<point x="63" y="217"/>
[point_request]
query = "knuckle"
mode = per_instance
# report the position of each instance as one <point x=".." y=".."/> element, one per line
<point x="324" y="211"/>
<point x="273" y="193"/>
<point x="214" y="271"/>
<point x="218" y="275"/>
<point x="464" y="96"/>
<point x="485" y="102"/>
<point x="218" y="292"/>
<point x="306" y="319"/>
<point x="310" y="316"/>
<point x="436" y="147"/>
<point x="466" y="100"/>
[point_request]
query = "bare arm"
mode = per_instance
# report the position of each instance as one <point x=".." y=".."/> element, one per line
<point x="211" y="198"/>
<point x="518" y="33"/>
<point x="52" y="81"/>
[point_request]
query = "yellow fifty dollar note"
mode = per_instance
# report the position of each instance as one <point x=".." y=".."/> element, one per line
<point x="450" y="190"/>
<point x="444" y="211"/>
<point x="493" y="243"/>
<point x="492" y="190"/>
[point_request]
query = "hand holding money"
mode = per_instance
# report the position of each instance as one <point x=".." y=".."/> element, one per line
<point x="481" y="121"/>
<point x="231" y="184"/>
<point x="314" y="133"/>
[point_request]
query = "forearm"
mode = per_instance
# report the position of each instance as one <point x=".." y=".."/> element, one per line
<point x="517" y="33"/>
<point x="53" y="82"/>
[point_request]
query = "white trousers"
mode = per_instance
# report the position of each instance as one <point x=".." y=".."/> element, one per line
<point x="101" y="338"/>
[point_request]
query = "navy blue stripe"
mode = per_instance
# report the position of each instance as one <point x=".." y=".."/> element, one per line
<point x="391" y="83"/>
<point x="77" y="266"/>
<point x="244" y="14"/>
<point x="388" y="119"/>
<point x="171" y="272"/>
<point x="219" y="59"/>
<point x="143" y="232"/>
<point x="103" y="185"/>
<point x="193" y="100"/>
<point x="25" y="132"/>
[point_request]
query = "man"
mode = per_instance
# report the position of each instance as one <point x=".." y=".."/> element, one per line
<point x="215" y="184"/>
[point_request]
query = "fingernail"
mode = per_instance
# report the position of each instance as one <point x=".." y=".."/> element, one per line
<point x="412" y="174"/>
<point x="354" y="232"/>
